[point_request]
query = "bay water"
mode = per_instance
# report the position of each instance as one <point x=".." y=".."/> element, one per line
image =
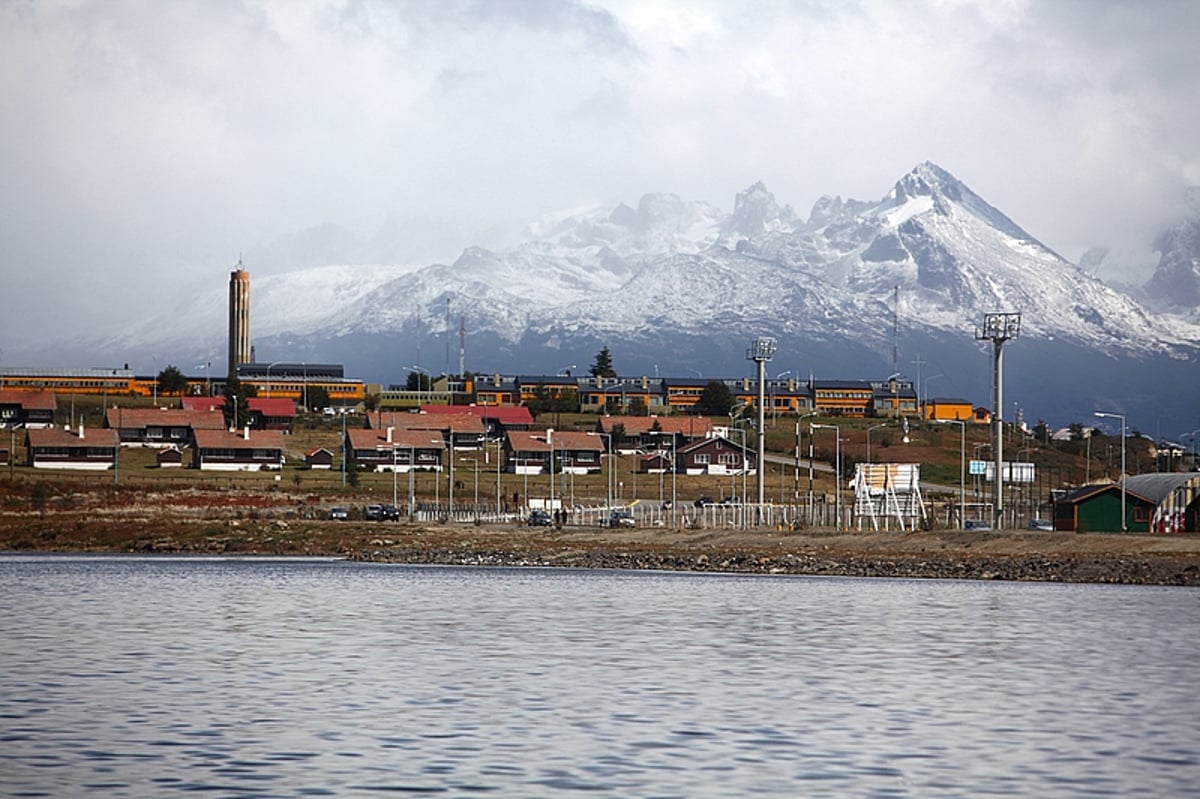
<point x="131" y="676"/>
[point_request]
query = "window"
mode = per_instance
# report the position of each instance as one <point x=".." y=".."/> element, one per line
<point x="702" y="458"/>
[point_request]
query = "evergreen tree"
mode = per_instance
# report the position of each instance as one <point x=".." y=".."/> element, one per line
<point x="715" y="399"/>
<point x="318" y="397"/>
<point x="603" y="366"/>
<point x="237" y="413"/>
<point x="171" y="381"/>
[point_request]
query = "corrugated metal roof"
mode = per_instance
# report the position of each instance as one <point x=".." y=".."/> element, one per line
<point x="1157" y="487"/>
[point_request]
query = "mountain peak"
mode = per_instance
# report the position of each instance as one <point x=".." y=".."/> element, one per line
<point x="755" y="212"/>
<point x="927" y="179"/>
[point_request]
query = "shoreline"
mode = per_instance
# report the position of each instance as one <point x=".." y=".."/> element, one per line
<point x="1106" y="558"/>
<point x="278" y="523"/>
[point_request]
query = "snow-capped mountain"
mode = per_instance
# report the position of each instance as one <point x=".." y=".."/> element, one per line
<point x="1176" y="282"/>
<point x="683" y="286"/>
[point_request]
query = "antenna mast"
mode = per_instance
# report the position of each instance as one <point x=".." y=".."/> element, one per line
<point x="462" y="345"/>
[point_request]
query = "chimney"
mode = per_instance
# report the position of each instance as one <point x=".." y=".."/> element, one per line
<point x="246" y="432"/>
<point x="81" y="429"/>
<point x="389" y="434"/>
<point x="496" y="379"/>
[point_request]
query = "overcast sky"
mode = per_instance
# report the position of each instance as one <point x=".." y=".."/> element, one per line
<point x="144" y="144"/>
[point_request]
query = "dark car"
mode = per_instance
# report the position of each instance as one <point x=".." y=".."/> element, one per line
<point x="703" y="501"/>
<point x="976" y="524"/>
<point x="389" y="513"/>
<point x="540" y="518"/>
<point x="621" y="517"/>
<point x="373" y="513"/>
<point x="339" y="514"/>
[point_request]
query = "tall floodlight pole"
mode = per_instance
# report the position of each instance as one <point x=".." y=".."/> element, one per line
<point x="998" y="328"/>
<point x="1121" y="416"/>
<point x="761" y="351"/>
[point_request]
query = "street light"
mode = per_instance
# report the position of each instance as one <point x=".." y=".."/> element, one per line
<point x="962" y="466"/>
<point x="659" y="434"/>
<point x="608" y="480"/>
<point x="420" y="383"/>
<point x="774" y="409"/>
<point x="1121" y="416"/>
<point x="273" y="363"/>
<point x="837" y="468"/>
<point x="925" y="401"/>
<point x="869" y="429"/>
<point x="475" y="461"/>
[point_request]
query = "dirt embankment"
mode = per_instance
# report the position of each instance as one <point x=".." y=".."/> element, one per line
<point x="278" y="523"/>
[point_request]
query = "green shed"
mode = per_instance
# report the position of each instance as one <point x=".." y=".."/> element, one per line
<point x="1161" y="503"/>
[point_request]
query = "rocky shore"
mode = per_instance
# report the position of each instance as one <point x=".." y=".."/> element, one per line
<point x="278" y="524"/>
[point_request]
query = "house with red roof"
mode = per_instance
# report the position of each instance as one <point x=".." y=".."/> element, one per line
<point x="58" y="448"/>
<point x="160" y="427"/>
<point x="464" y="430"/>
<point x="497" y="420"/>
<point x="266" y="413"/>
<point x="564" y="451"/>
<point x="26" y="409"/>
<point x="244" y="450"/>
<point x="642" y="433"/>
<point x="395" y="449"/>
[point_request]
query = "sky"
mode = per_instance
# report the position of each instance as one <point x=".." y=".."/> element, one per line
<point x="146" y="147"/>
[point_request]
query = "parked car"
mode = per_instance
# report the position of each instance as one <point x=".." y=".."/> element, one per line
<point x="703" y="501"/>
<point x="389" y="513"/>
<point x="730" y="501"/>
<point x="1045" y="525"/>
<point x="373" y="513"/>
<point x="976" y="524"/>
<point x="540" y="518"/>
<point x="621" y="517"/>
<point x="339" y="514"/>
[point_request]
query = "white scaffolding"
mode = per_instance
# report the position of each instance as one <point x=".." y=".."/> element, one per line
<point x="888" y="491"/>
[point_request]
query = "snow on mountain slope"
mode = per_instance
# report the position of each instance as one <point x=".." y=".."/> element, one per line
<point x="294" y="301"/>
<point x="675" y="267"/>
<point x="1176" y="281"/>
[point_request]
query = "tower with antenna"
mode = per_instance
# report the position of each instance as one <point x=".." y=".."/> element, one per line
<point x="462" y="346"/>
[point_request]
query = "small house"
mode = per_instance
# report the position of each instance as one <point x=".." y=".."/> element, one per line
<point x="461" y="430"/>
<point x="26" y="409"/>
<point x="245" y="450"/>
<point x="170" y="457"/>
<point x="716" y="455"/>
<point x="160" y="427"/>
<point x="394" y="449"/>
<point x="271" y="413"/>
<point x="552" y="451"/>
<point x="58" y="448"/>
<point x="319" y="458"/>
